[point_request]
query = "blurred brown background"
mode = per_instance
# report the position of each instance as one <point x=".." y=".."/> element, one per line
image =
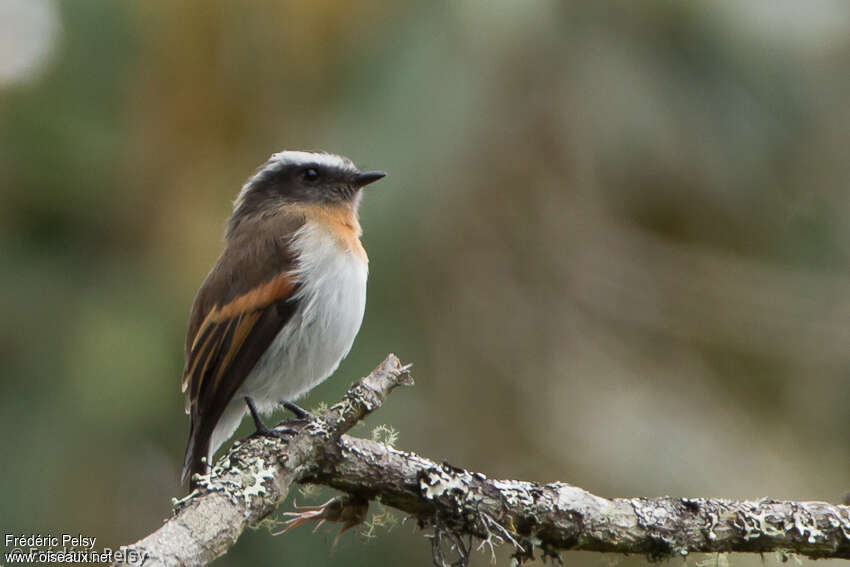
<point x="614" y="241"/>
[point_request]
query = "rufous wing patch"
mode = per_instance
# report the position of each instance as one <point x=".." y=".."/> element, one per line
<point x="223" y="333"/>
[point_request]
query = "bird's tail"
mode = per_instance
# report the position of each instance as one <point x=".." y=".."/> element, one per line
<point x="197" y="448"/>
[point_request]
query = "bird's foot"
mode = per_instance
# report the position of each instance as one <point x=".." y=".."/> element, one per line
<point x="298" y="411"/>
<point x="262" y="429"/>
<point x="348" y="510"/>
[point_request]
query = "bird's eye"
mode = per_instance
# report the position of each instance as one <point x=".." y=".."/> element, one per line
<point x="311" y="174"/>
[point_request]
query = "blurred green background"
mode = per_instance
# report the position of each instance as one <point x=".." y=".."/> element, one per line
<point x="614" y="241"/>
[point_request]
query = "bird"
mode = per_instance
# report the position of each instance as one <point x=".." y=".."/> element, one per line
<point x="281" y="307"/>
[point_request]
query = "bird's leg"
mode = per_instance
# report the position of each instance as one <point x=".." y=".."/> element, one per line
<point x="349" y="510"/>
<point x="262" y="429"/>
<point x="299" y="412"/>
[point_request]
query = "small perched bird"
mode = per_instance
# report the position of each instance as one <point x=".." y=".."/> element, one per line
<point x="281" y="307"/>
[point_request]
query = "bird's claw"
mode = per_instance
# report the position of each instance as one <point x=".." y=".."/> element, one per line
<point x="277" y="432"/>
<point x="297" y="411"/>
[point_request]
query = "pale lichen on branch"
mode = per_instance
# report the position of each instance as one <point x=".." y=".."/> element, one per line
<point x="458" y="506"/>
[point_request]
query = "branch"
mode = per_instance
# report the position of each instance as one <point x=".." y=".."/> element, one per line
<point x="558" y="517"/>
<point x="254" y="477"/>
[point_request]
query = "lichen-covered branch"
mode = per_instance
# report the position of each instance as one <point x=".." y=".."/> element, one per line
<point x="251" y="480"/>
<point x="559" y="517"/>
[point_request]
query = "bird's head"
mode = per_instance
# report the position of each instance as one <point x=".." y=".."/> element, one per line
<point x="296" y="177"/>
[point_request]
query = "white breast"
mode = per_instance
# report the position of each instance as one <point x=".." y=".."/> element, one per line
<point x="331" y="303"/>
<point x="331" y="300"/>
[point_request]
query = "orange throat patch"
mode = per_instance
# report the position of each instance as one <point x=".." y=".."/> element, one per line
<point x="341" y="221"/>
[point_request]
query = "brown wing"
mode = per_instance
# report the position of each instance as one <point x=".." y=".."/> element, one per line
<point x="244" y="302"/>
<point x="239" y="345"/>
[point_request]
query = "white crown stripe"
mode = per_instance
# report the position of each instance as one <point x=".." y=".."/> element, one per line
<point x="296" y="158"/>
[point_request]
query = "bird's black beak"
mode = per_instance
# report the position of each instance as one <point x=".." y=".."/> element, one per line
<point x="364" y="178"/>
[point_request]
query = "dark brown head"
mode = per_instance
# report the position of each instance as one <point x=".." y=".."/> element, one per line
<point x="302" y="177"/>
